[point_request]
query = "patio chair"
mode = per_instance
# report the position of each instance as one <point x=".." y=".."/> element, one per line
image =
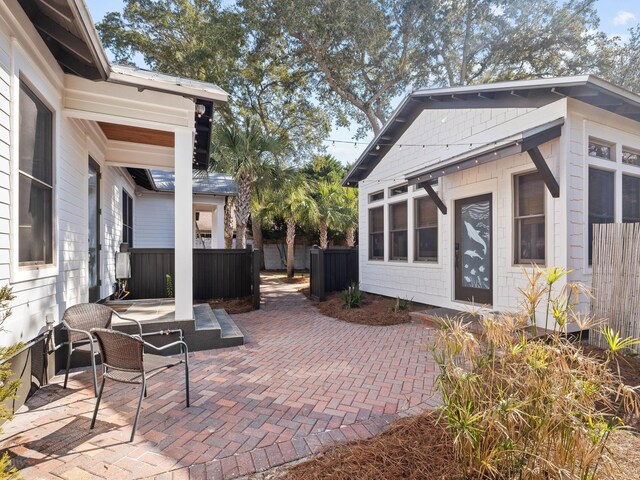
<point x="124" y="360"/>
<point x="78" y="320"/>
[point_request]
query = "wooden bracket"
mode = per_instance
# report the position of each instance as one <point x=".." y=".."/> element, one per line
<point x="543" y="168"/>
<point x="434" y="196"/>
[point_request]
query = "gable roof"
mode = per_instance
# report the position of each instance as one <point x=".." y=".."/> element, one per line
<point x="68" y="31"/>
<point x="515" y="94"/>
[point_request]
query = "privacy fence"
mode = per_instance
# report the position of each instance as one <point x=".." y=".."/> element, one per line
<point x="332" y="270"/>
<point x="616" y="279"/>
<point x="217" y="273"/>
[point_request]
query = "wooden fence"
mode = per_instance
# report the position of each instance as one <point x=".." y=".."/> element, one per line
<point x="217" y="273"/>
<point x="616" y="280"/>
<point x="332" y="270"/>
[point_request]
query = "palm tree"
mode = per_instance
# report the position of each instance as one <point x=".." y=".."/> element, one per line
<point x="248" y="153"/>
<point x="294" y="202"/>
<point x="229" y="224"/>
<point x="349" y="217"/>
<point x="329" y="210"/>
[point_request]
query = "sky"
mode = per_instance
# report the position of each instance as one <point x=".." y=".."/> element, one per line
<point x="616" y="17"/>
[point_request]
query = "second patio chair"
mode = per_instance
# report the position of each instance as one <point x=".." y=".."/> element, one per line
<point x="78" y="320"/>
<point x="124" y="360"/>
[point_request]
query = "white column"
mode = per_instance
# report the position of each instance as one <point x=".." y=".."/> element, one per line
<point x="219" y="216"/>
<point x="183" y="281"/>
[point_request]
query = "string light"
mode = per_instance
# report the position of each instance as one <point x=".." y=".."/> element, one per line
<point x="418" y="145"/>
<point x="377" y="147"/>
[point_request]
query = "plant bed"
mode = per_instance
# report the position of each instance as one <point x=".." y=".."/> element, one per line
<point x="375" y="310"/>
<point x="233" y="306"/>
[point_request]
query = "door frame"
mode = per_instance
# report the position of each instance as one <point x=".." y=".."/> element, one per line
<point x="94" y="292"/>
<point x="471" y="294"/>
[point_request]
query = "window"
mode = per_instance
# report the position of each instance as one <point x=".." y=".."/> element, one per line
<point x="529" y="220"/>
<point x="600" y="149"/>
<point x="601" y="201"/>
<point x="399" y="190"/>
<point x="376" y="233"/>
<point x="426" y="242"/>
<point x="127" y="218"/>
<point x="374" y="197"/>
<point x="419" y="186"/>
<point x="630" y="157"/>
<point x="35" y="152"/>
<point x="630" y="199"/>
<point x="398" y="231"/>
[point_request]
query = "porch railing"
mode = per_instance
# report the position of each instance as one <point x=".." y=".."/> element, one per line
<point x="217" y="273"/>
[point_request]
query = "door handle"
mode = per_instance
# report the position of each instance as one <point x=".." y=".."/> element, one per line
<point x="457" y="255"/>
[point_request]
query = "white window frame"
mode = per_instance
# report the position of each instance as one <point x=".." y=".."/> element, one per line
<point x="45" y="91"/>
<point x="516" y="261"/>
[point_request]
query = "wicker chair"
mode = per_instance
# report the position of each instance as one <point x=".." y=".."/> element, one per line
<point x="78" y="320"/>
<point x="124" y="360"/>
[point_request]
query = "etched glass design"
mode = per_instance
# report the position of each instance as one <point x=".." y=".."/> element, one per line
<point x="475" y="245"/>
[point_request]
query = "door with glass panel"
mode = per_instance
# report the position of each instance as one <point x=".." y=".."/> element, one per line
<point x="94" y="230"/>
<point x="473" y="252"/>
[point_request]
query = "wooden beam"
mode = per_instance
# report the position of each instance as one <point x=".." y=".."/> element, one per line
<point x="434" y="196"/>
<point x="543" y="168"/>
<point x="65" y="38"/>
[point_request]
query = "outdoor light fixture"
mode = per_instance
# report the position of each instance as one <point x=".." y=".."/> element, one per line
<point x="200" y="109"/>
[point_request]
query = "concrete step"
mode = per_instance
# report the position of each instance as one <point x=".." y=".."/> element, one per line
<point x="231" y="335"/>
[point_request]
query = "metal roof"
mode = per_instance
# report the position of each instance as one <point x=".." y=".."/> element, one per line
<point x="515" y="94"/>
<point x="204" y="182"/>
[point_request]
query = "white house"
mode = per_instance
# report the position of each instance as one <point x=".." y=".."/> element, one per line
<point x="465" y="186"/>
<point x="71" y="127"/>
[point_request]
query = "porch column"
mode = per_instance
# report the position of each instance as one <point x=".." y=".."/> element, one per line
<point x="219" y="226"/>
<point x="183" y="281"/>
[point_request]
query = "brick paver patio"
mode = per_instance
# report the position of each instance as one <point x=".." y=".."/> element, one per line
<point x="303" y="381"/>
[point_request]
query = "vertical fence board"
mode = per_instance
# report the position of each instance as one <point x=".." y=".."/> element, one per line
<point x="616" y="280"/>
<point x="332" y="270"/>
<point x="217" y="273"/>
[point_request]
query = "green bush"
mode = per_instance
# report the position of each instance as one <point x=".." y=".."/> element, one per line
<point x="525" y="407"/>
<point x="352" y="296"/>
<point x="8" y="388"/>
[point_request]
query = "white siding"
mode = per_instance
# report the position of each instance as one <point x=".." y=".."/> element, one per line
<point x="433" y="283"/>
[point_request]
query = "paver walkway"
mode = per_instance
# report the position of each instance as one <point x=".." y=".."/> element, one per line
<point x="303" y="381"/>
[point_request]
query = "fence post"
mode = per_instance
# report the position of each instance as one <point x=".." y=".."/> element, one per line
<point x="322" y="294"/>
<point x="256" y="262"/>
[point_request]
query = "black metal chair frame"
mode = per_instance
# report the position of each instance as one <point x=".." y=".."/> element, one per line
<point x="89" y="339"/>
<point x="128" y="370"/>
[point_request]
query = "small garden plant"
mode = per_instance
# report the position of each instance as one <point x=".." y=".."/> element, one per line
<point x="352" y="296"/>
<point x="8" y="388"/>
<point x="400" y="305"/>
<point x="522" y="406"/>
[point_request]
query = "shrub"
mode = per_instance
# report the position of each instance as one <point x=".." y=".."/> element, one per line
<point x="352" y="296"/>
<point x="169" y="284"/>
<point x="400" y="305"/>
<point x="8" y="388"/>
<point x="528" y="407"/>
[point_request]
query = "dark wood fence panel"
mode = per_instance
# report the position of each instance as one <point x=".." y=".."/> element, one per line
<point x="217" y="273"/>
<point x="332" y="270"/>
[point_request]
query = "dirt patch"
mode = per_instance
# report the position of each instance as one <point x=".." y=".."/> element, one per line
<point x="412" y="448"/>
<point x="295" y="280"/>
<point x="375" y="310"/>
<point x="237" y="305"/>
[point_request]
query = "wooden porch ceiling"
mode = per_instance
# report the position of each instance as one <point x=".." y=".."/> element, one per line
<point x="147" y="136"/>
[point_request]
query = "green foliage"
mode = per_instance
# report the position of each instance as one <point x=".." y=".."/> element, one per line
<point x="528" y="408"/>
<point x="352" y="296"/>
<point x="8" y="388"/>
<point x="169" y="285"/>
<point x="401" y="305"/>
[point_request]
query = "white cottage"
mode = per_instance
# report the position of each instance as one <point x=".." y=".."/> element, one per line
<point x="465" y="186"/>
<point x="72" y="130"/>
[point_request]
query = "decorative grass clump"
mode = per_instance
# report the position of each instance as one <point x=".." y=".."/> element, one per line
<point x="522" y="406"/>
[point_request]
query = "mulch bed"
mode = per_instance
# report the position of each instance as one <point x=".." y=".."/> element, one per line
<point x="237" y="305"/>
<point x="375" y="310"/>
<point x="295" y="280"/>
<point x="412" y="448"/>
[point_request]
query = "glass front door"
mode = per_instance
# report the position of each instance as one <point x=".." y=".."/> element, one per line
<point x="94" y="231"/>
<point x="473" y="255"/>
